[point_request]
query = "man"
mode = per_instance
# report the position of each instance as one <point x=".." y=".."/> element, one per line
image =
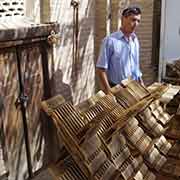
<point x="119" y="55"/>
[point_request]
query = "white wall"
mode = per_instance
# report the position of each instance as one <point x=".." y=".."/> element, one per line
<point x="80" y="77"/>
<point x="170" y="34"/>
<point x="32" y="10"/>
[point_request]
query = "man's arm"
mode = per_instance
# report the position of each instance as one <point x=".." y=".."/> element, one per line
<point x="102" y="64"/>
<point x="104" y="84"/>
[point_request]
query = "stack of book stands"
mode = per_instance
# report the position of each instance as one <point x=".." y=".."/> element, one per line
<point x="114" y="137"/>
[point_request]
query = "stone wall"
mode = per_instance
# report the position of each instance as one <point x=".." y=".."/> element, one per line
<point x="145" y="36"/>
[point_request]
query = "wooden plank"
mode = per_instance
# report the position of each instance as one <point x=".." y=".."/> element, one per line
<point x="11" y="31"/>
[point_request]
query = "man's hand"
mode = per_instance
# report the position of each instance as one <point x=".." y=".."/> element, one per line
<point x="141" y="82"/>
<point x="104" y="84"/>
<point x="108" y="91"/>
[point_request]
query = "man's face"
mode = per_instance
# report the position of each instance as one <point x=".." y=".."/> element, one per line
<point x="130" y="23"/>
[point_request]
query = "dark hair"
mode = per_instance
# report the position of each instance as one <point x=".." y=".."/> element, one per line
<point x="131" y="11"/>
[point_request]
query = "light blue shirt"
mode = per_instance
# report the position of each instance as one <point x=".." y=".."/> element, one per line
<point x="120" y="57"/>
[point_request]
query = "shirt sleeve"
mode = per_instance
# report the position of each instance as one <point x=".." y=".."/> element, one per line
<point x="105" y="53"/>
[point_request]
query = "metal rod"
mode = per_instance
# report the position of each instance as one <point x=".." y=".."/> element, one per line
<point x="75" y="5"/>
<point x="21" y="101"/>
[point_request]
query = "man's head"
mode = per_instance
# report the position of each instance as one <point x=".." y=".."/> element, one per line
<point x="131" y="17"/>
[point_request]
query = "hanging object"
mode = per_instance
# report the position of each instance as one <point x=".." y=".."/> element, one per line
<point x="22" y="101"/>
<point x="75" y="5"/>
<point x="53" y="38"/>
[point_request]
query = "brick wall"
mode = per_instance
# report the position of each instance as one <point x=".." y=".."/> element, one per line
<point x="100" y="24"/>
<point x="145" y="36"/>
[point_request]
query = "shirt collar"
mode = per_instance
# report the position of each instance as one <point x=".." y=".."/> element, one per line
<point x="121" y="35"/>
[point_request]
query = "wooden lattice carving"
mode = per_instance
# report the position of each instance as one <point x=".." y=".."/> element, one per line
<point x="9" y="8"/>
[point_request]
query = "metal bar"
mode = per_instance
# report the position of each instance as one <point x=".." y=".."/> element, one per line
<point x="161" y="69"/>
<point x="14" y="43"/>
<point x="21" y="101"/>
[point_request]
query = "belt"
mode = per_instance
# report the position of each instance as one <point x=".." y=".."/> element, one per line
<point x="112" y="84"/>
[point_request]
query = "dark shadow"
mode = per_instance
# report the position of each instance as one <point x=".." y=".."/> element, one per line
<point x="59" y="87"/>
<point x="1" y="104"/>
<point x="53" y="149"/>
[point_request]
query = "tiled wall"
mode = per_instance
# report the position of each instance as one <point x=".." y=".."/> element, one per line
<point x="145" y="36"/>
